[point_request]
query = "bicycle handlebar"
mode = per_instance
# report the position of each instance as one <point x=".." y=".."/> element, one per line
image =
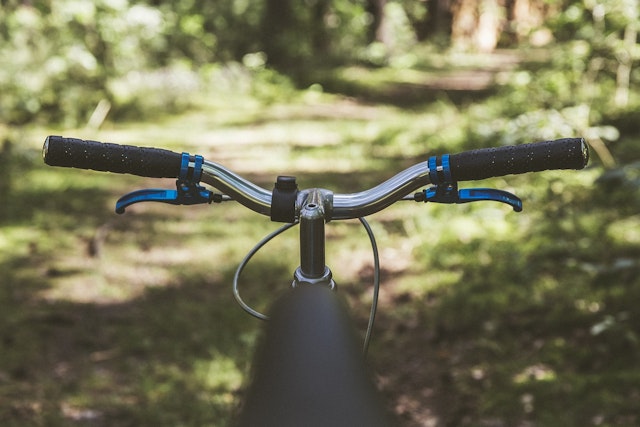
<point x="566" y="153"/>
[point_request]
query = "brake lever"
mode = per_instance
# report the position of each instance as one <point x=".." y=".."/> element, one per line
<point x="186" y="193"/>
<point x="449" y="193"/>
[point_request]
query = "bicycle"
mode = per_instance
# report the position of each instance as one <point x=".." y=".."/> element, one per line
<point x="308" y="370"/>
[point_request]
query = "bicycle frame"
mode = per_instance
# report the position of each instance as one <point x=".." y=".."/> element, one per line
<point x="308" y="369"/>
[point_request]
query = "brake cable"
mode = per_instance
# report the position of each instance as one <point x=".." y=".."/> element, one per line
<point x="376" y="278"/>
<point x="236" y="277"/>
<point x="376" y="285"/>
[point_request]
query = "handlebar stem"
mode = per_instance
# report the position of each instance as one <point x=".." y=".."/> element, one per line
<point x="313" y="215"/>
<point x="308" y="199"/>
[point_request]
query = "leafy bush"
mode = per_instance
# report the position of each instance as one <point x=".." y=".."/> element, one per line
<point x="59" y="57"/>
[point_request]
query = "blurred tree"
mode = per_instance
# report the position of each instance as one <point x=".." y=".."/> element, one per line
<point x="437" y="22"/>
<point x="6" y="173"/>
<point x="477" y="25"/>
<point x="293" y="34"/>
<point x="626" y="53"/>
<point x="283" y="33"/>
<point x="377" y="32"/>
<point x="526" y="20"/>
<point x="320" y="39"/>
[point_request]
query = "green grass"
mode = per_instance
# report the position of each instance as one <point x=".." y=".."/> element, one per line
<point x="487" y="317"/>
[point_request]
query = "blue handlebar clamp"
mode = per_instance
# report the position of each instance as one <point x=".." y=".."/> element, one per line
<point x="187" y="191"/>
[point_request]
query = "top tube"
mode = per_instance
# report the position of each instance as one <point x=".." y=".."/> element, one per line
<point x="345" y="206"/>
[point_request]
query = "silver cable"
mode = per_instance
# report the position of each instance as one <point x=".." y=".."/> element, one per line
<point x="243" y="264"/>
<point x="376" y="278"/>
<point x="376" y="286"/>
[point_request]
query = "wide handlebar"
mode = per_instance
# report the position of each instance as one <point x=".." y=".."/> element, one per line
<point x="567" y="153"/>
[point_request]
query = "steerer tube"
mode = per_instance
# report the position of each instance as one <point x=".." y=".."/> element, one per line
<point x="312" y="243"/>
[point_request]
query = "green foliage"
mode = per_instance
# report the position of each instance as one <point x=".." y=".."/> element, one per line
<point x="61" y="59"/>
<point x="206" y="32"/>
<point x="60" y="56"/>
<point x="593" y="19"/>
<point x="347" y="28"/>
<point x="36" y="69"/>
<point x="400" y="40"/>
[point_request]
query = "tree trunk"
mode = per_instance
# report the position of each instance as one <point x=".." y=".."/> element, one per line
<point x="527" y="18"/>
<point x="377" y="30"/>
<point x="477" y="25"/>
<point x="491" y="18"/>
<point x="463" y="24"/>
<point x="436" y="22"/>
<point x="625" y="61"/>
<point x="320" y="39"/>
<point x="278" y="28"/>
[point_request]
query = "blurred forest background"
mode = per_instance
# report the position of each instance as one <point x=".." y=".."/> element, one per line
<point x="487" y="318"/>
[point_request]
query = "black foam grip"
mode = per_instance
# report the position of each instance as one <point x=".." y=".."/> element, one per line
<point x="566" y="153"/>
<point x="84" y="154"/>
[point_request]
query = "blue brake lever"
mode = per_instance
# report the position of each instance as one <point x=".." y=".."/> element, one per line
<point x="147" y="195"/>
<point x="451" y="194"/>
<point x="187" y="193"/>
<point x="475" y="194"/>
